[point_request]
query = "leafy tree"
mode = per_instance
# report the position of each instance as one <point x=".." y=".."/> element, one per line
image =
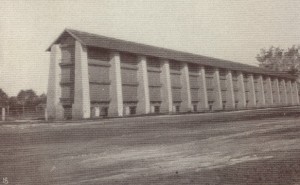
<point x="42" y="99"/>
<point x="27" y="98"/>
<point x="3" y="98"/>
<point x="277" y="59"/>
<point x="13" y="102"/>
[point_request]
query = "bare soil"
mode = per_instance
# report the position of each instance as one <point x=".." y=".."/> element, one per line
<point x="247" y="147"/>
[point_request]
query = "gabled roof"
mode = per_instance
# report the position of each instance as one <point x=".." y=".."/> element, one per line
<point x="94" y="40"/>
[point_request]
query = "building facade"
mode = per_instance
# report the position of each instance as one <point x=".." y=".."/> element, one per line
<point x="95" y="76"/>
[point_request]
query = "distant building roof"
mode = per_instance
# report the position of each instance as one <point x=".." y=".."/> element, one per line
<point x="94" y="40"/>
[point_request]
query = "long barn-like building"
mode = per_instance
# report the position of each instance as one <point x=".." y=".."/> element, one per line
<point x="96" y="76"/>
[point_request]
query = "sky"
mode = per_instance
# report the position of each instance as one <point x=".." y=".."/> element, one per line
<point x="231" y="30"/>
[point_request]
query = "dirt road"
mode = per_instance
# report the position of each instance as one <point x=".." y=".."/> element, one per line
<point x="252" y="147"/>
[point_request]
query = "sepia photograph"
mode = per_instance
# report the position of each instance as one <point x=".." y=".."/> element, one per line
<point x="142" y="92"/>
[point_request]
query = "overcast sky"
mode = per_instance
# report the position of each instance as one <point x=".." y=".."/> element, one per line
<point x="232" y="30"/>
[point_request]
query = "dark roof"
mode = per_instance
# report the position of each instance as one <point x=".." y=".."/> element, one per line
<point x="94" y="40"/>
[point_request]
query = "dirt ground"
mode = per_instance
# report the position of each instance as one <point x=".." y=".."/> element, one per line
<point x="248" y="147"/>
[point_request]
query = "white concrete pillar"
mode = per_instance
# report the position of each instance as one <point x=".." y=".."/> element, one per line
<point x="165" y="78"/>
<point x="290" y="94"/>
<point x="269" y="97"/>
<point x="241" y="92"/>
<point x="294" y="93"/>
<point x="230" y="102"/>
<point x="82" y="103"/>
<point x="116" y="94"/>
<point x="296" y="99"/>
<point x="203" y="104"/>
<point x="143" y="105"/>
<point x="54" y="108"/>
<point x="261" y="91"/>
<point x="218" y="104"/>
<point x="186" y="104"/>
<point x="277" y="92"/>
<point x="284" y="98"/>
<point x="252" y="96"/>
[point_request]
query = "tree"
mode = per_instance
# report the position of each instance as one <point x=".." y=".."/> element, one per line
<point x="14" y="104"/>
<point x="277" y="59"/>
<point x="42" y="99"/>
<point x="3" y="98"/>
<point x="27" y="98"/>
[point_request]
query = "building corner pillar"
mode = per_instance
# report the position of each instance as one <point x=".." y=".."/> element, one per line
<point x="166" y="90"/>
<point x="186" y="103"/>
<point x="54" y="109"/>
<point x="116" y="93"/>
<point x="143" y="105"/>
<point x="81" y="108"/>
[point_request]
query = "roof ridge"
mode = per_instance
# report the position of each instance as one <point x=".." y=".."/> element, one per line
<point x="97" y="40"/>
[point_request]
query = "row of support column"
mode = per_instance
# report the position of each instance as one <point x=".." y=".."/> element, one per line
<point x="258" y="95"/>
<point x="262" y="97"/>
